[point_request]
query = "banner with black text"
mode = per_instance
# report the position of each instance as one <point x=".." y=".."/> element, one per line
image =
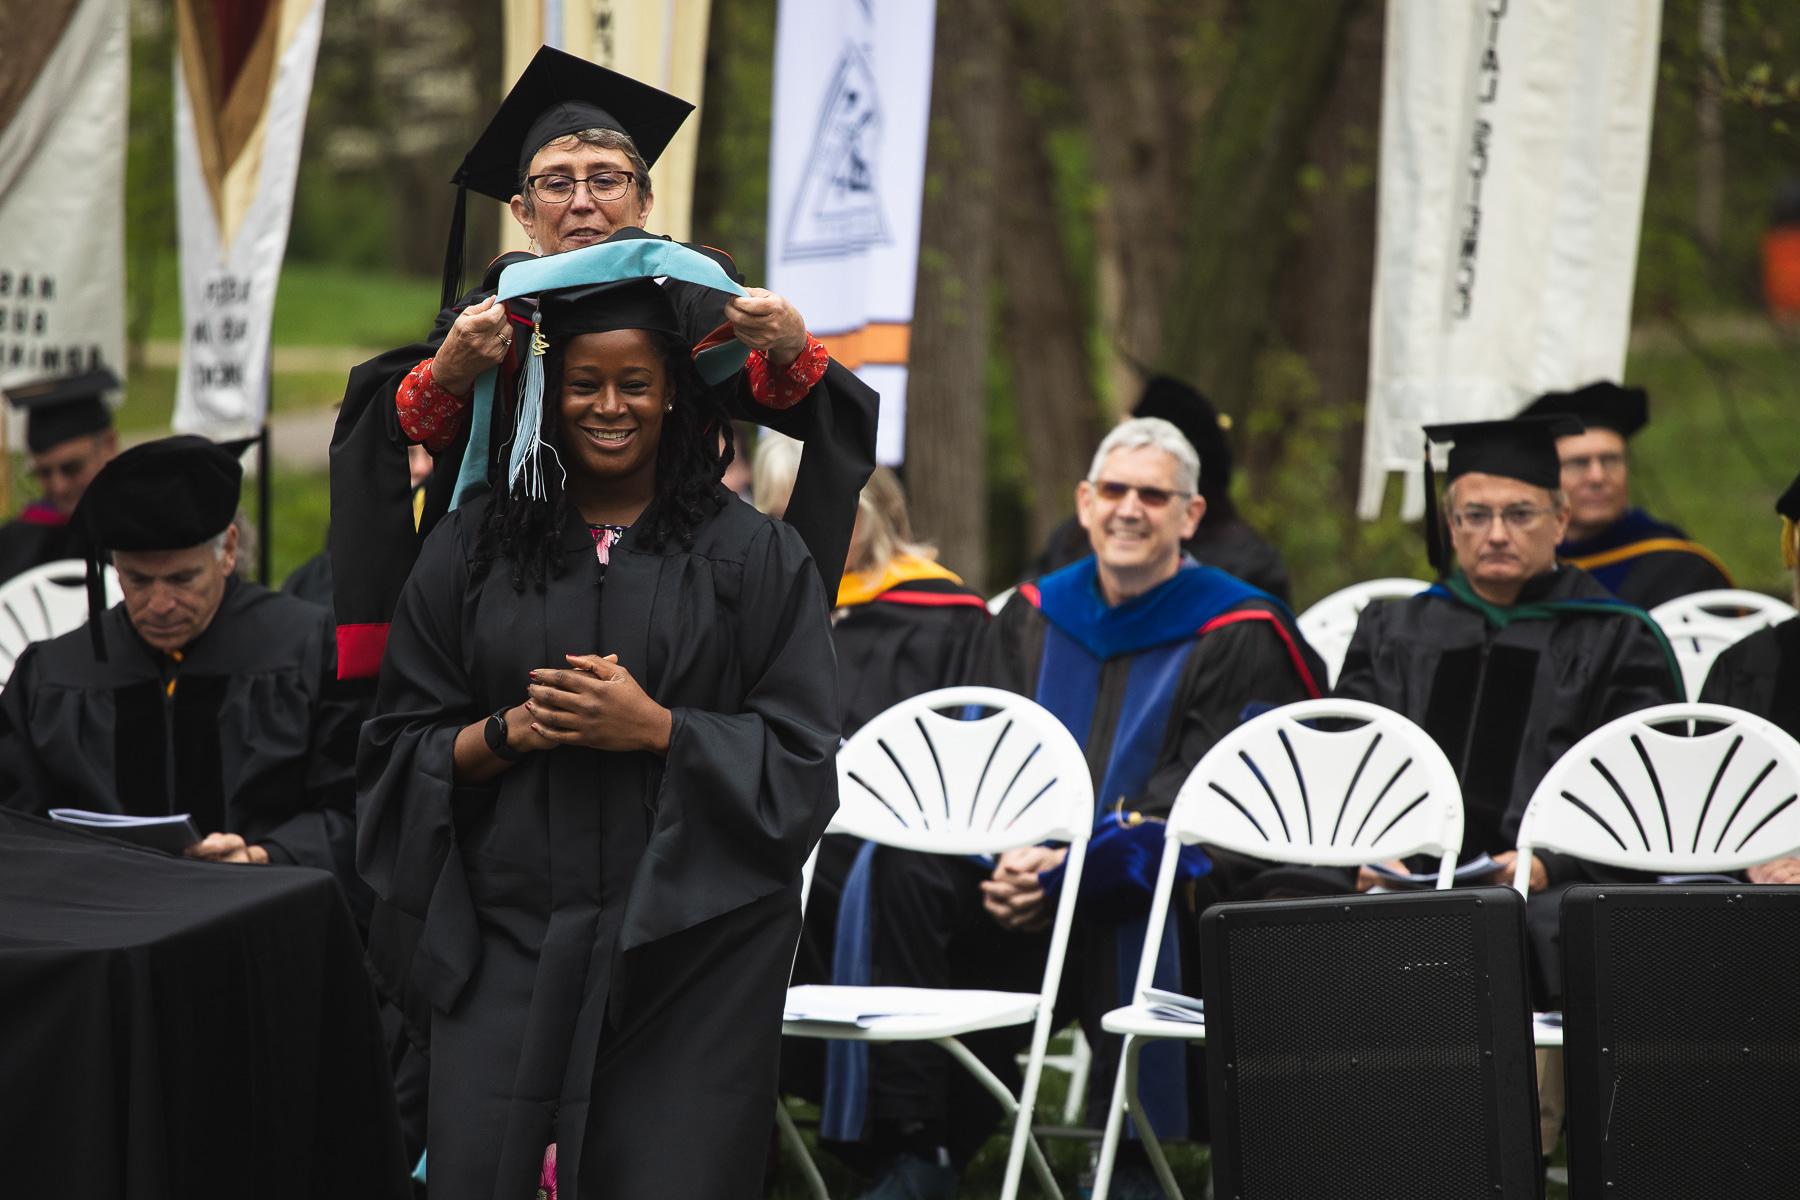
<point x="1515" y="138"/>
<point x="64" y="71"/>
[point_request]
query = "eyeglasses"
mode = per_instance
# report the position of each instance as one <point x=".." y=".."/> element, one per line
<point x="560" y="189"/>
<point x="1149" y="497"/>
<point x="1611" y="463"/>
<point x="1520" y="518"/>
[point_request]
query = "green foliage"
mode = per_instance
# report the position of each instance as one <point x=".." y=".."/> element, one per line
<point x="731" y="179"/>
<point x="149" y="166"/>
<point x="318" y="304"/>
<point x="1326" y="546"/>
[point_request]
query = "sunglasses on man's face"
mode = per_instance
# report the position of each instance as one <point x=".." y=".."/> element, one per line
<point x="1113" y="491"/>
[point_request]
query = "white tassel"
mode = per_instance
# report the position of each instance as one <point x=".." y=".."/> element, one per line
<point x="525" y="469"/>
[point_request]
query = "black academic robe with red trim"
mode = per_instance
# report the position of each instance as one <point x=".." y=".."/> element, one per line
<point x="37" y="536"/>
<point x="914" y="637"/>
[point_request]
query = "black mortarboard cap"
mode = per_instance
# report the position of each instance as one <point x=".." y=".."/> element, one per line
<point x="168" y="494"/>
<point x="63" y="407"/>
<point x="601" y="307"/>
<point x="1523" y="448"/>
<point x="556" y="95"/>
<point x="1188" y="409"/>
<point x="1603" y="405"/>
<point x="1788" y="504"/>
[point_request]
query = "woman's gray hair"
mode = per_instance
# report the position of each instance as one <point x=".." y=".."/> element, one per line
<point x="1151" y="431"/>
<point x="772" y="471"/>
<point x="604" y="139"/>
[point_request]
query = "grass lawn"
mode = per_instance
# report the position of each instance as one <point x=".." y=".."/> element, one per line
<point x="321" y="305"/>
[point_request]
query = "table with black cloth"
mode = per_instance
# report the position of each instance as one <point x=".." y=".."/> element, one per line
<point x="172" y="1028"/>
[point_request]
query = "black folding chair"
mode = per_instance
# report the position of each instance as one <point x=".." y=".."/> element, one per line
<point x="1371" y="1047"/>
<point x="1682" y="1040"/>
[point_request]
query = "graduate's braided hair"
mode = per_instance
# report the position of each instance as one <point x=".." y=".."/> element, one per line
<point x="694" y="449"/>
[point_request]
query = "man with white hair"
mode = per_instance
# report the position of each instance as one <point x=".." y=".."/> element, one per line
<point x="201" y="693"/>
<point x="1148" y="658"/>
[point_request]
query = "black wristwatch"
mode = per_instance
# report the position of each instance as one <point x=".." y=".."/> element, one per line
<point x="495" y="733"/>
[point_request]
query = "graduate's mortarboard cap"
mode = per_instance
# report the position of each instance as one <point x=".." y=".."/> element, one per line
<point x="557" y="95"/>
<point x="168" y="494"/>
<point x="1788" y="505"/>
<point x="63" y="407"/>
<point x="1599" y="405"/>
<point x="1523" y="448"/>
<point x="603" y="307"/>
<point x="1188" y="409"/>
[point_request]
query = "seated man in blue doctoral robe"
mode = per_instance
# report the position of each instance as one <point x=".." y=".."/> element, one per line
<point x="1148" y="658"/>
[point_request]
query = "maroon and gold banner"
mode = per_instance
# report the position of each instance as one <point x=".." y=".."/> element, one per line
<point x="245" y="77"/>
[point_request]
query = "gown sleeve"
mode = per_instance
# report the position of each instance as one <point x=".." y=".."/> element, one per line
<point x="1361" y="676"/>
<point x="323" y="832"/>
<point x="23" y="783"/>
<point x="423" y="938"/>
<point x="745" y="794"/>
<point x="1234" y="667"/>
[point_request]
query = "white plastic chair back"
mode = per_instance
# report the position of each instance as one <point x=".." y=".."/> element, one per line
<point x="1703" y="625"/>
<point x="1648" y="792"/>
<point x="1376" y="787"/>
<point x="1373" y="787"/>
<point x="1329" y="625"/>
<point x="920" y="778"/>
<point x="999" y="599"/>
<point x="44" y="602"/>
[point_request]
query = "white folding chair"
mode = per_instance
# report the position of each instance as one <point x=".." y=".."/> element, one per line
<point x="1702" y="625"/>
<point x="1329" y="624"/>
<point x="1675" y="789"/>
<point x="919" y="777"/>
<point x="1278" y="789"/>
<point x="45" y="602"/>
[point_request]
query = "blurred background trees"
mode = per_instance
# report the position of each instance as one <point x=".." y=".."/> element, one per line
<point x="1115" y="187"/>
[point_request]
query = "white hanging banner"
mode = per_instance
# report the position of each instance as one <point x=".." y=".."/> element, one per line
<point x="658" y="42"/>
<point x="847" y="182"/>
<point x="63" y="107"/>
<point x="244" y="76"/>
<point x="1515" y="137"/>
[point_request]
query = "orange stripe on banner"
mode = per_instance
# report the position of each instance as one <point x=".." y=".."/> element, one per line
<point x="882" y="344"/>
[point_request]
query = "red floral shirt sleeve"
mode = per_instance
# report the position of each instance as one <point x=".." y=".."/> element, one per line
<point x="785" y="387"/>
<point x="427" y="412"/>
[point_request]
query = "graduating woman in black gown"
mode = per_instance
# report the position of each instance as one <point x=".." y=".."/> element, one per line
<point x="602" y="749"/>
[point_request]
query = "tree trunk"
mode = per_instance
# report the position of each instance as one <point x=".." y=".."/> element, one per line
<point x="1044" y="322"/>
<point x="946" y="409"/>
<point x="1248" y="156"/>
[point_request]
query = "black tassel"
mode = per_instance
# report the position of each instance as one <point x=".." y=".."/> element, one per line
<point x="454" y="250"/>
<point x="1434" y="536"/>
<point x="96" y="597"/>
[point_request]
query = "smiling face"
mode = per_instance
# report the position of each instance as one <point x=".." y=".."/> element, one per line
<point x="1137" y="542"/>
<point x="1499" y="554"/>
<point x="582" y="220"/>
<point x="615" y="387"/>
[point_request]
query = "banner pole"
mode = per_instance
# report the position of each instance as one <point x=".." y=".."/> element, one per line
<point x="265" y="525"/>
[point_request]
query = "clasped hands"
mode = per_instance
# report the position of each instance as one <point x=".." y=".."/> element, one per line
<point x="1013" y="896"/>
<point x="595" y="702"/>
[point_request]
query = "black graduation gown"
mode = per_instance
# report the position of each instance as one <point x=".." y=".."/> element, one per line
<point x="910" y="639"/>
<point x="1505" y="703"/>
<point x="373" y="541"/>
<point x="602" y="939"/>
<point x="1761" y="675"/>
<point x="1646" y="562"/>
<point x="26" y="544"/>
<point x="1225" y="542"/>
<point x="256" y="740"/>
